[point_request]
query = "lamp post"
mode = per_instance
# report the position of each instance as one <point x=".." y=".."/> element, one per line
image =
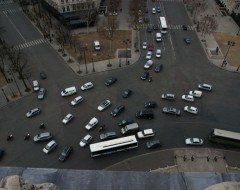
<point x="230" y="44"/>
<point x="126" y="42"/>
<point x="120" y="61"/>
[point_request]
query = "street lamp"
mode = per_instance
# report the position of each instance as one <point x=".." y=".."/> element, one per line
<point x="230" y="44"/>
<point x="126" y="42"/>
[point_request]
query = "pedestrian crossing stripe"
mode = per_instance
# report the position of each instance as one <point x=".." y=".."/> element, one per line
<point x="11" y="11"/>
<point x="4" y="2"/>
<point x="29" y="44"/>
<point x="170" y="26"/>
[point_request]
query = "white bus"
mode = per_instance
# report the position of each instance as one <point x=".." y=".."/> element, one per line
<point x="224" y="137"/>
<point x="163" y="25"/>
<point x="112" y="146"/>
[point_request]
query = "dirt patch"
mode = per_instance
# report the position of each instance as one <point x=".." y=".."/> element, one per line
<point x="233" y="55"/>
<point x="121" y="40"/>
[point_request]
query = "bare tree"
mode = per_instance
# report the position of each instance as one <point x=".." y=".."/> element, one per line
<point x="136" y="12"/>
<point x="3" y="56"/>
<point x="210" y="25"/>
<point x="197" y="7"/>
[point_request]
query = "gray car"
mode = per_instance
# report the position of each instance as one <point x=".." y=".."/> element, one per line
<point x="33" y="112"/>
<point x="42" y="137"/>
<point x="171" y="110"/>
<point x="41" y="93"/>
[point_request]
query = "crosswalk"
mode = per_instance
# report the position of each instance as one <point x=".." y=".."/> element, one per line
<point x="170" y="26"/>
<point x="4" y="2"/>
<point x="11" y="11"/>
<point x="30" y="44"/>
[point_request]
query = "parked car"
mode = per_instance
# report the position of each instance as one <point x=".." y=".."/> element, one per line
<point x="193" y="141"/>
<point x="189" y="98"/>
<point x="146" y="19"/>
<point x="110" y="81"/>
<point x="149" y="55"/>
<point x="33" y="112"/>
<point x="158" y="53"/>
<point x="146" y="10"/>
<point x="43" y="75"/>
<point x="158" y="68"/>
<point x="126" y="93"/>
<point x="35" y="85"/>
<point x="76" y="100"/>
<point x="184" y="27"/>
<point x="87" y="86"/>
<point x="86" y="140"/>
<point x="104" y="105"/>
<point x="153" y="144"/>
<point x="92" y="123"/>
<point x="171" y="110"/>
<point x="144" y="45"/>
<point x="67" y="118"/>
<point x="168" y="96"/>
<point x="145" y="114"/>
<point x="50" y="147"/>
<point x="145" y="133"/>
<point x="150" y="104"/>
<point x="42" y="137"/>
<point x="41" y="93"/>
<point x="108" y="136"/>
<point x="196" y="93"/>
<point x="206" y="87"/>
<point x="145" y="75"/>
<point x="148" y="64"/>
<point x="65" y="153"/>
<point x="117" y="110"/>
<point x="2" y="152"/>
<point x="125" y="122"/>
<point x="187" y="40"/>
<point x="191" y="109"/>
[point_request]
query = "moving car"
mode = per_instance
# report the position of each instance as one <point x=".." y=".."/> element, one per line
<point x="76" y="100"/>
<point x="104" y="105"/>
<point x="41" y="93"/>
<point x="42" y="137"/>
<point x="35" y="85"/>
<point x="69" y="91"/>
<point x="125" y="122"/>
<point x="50" y="147"/>
<point x="145" y="114"/>
<point x="206" y="87"/>
<point x="158" y="68"/>
<point x="67" y="118"/>
<point x="193" y="141"/>
<point x="168" y="96"/>
<point x="144" y="45"/>
<point x="196" y="93"/>
<point x="33" y="112"/>
<point x="65" y="153"/>
<point x="189" y="98"/>
<point x="145" y="75"/>
<point x="110" y="81"/>
<point x="126" y="93"/>
<point x="153" y="10"/>
<point x="145" y="133"/>
<point x="92" y="123"/>
<point x="150" y="104"/>
<point x="149" y="55"/>
<point x="86" y="140"/>
<point x="158" y="53"/>
<point x="148" y="64"/>
<point x="43" y="75"/>
<point x="191" y="109"/>
<point x="155" y="27"/>
<point x="119" y="109"/>
<point x="150" y="47"/>
<point x="158" y="9"/>
<point x="153" y="144"/>
<point x="149" y="28"/>
<point x="108" y="136"/>
<point x="87" y="86"/>
<point x="171" y="110"/>
<point x="187" y="40"/>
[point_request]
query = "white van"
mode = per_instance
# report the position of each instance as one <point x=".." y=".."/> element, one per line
<point x="69" y="91"/>
<point x="158" y="37"/>
<point x="96" y="45"/>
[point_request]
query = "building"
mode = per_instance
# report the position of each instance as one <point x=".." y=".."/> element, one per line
<point x="231" y="6"/>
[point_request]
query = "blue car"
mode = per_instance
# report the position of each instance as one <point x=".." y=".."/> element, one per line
<point x="158" y="9"/>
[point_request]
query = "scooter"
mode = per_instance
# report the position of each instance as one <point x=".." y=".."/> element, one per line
<point x="27" y="136"/>
<point x="9" y="137"/>
<point x="42" y="126"/>
<point x="101" y="128"/>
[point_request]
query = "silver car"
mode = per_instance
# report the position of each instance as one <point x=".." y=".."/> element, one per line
<point x="41" y="93"/>
<point x="171" y="110"/>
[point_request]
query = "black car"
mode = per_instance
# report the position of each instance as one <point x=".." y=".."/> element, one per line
<point x="184" y="27"/>
<point x="153" y="144"/>
<point x="150" y="104"/>
<point x="110" y="81"/>
<point x="2" y="152"/>
<point x="145" y="114"/>
<point x="65" y="153"/>
<point x="158" y="68"/>
<point x="43" y="75"/>
<point x="126" y="93"/>
<point x="145" y="75"/>
<point x="125" y="122"/>
<point x="119" y="109"/>
<point x="187" y="40"/>
<point x="146" y="10"/>
<point x="108" y="136"/>
<point x="149" y="29"/>
<point x="155" y="27"/>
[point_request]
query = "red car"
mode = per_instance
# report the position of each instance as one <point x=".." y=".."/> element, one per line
<point x="150" y="47"/>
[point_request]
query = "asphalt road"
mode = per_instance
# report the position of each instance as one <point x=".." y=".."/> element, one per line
<point x="185" y="66"/>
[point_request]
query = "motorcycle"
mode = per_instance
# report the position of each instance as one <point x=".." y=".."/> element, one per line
<point x="9" y="137"/>
<point x="42" y="126"/>
<point x="101" y="128"/>
<point x="27" y="136"/>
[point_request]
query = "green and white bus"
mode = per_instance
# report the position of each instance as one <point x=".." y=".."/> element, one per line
<point x="224" y="137"/>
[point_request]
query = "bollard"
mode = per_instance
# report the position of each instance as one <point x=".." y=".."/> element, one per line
<point x="208" y="158"/>
<point x="192" y="158"/>
<point x="184" y="158"/>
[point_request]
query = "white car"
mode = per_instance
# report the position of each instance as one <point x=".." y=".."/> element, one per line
<point x="206" y="87"/>
<point x="144" y="45"/>
<point x="158" y="53"/>
<point x="148" y="64"/>
<point x="193" y="141"/>
<point x="50" y="147"/>
<point x="35" y="85"/>
<point x="86" y="140"/>
<point x="76" y="100"/>
<point x="67" y="118"/>
<point x="145" y="133"/>
<point x="196" y="93"/>
<point x="93" y="122"/>
<point x="104" y="105"/>
<point x="189" y="98"/>
<point x="149" y="55"/>
<point x="153" y="10"/>
<point x="191" y="109"/>
<point x="87" y="86"/>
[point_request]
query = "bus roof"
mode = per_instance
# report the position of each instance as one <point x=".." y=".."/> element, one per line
<point x="227" y="134"/>
<point x="163" y="22"/>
